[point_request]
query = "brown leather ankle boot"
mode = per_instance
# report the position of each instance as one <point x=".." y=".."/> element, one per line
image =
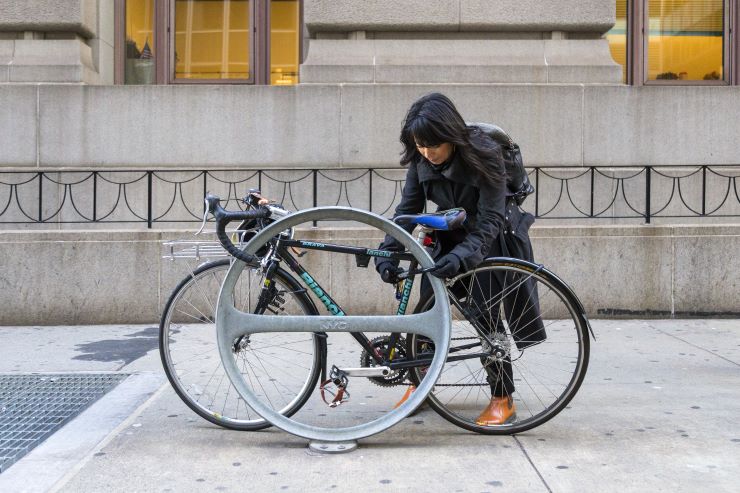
<point x="499" y="411"/>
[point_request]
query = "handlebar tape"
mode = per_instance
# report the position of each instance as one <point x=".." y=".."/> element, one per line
<point x="224" y="217"/>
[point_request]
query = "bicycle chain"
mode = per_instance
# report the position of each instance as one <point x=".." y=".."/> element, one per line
<point x="486" y="384"/>
<point x="398" y="377"/>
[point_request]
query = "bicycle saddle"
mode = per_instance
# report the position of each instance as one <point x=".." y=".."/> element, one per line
<point x="442" y="220"/>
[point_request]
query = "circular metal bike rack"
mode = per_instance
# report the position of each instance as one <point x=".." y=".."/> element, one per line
<point x="434" y="324"/>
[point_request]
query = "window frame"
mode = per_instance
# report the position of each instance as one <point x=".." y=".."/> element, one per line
<point x="734" y="70"/>
<point x="638" y="41"/>
<point x="164" y="43"/>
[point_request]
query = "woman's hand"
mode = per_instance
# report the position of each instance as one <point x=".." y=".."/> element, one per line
<point x="446" y="266"/>
<point x="388" y="272"/>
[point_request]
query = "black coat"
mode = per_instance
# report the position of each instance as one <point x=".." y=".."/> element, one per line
<point x="495" y="226"/>
<point x="457" y="186"/>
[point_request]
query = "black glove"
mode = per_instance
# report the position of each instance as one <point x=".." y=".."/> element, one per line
<point x="388" y="272"/>
<point x="446" y="266"/>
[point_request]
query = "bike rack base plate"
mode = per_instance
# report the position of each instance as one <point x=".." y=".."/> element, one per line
<point x="332" y="447"/>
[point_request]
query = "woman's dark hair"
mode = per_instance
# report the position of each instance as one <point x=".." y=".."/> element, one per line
<point x="433" y="120"/>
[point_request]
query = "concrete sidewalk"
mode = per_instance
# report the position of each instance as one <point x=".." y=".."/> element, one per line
<point x="659" y="411"/>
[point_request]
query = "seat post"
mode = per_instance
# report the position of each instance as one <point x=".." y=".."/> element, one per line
<point x="423" y="232"/>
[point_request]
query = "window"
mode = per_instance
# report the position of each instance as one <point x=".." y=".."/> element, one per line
<point x="138" y="50"/>
<point x="617" y="37"/>
<point x="285" y="41"/>
<point x="685" y="40"/>
<point x="213" y="39"/>
<point x="675" y="41"/>
<point x="208" y="41"/>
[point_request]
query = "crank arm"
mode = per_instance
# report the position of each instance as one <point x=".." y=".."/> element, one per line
<point x="375" y="371"/>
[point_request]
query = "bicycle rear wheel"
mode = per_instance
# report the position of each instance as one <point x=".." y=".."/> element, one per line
<point x="190" y="357"/>
<point x="539" y="354"/>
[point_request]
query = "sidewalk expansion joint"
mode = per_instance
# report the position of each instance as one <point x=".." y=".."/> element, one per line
<point x="529" y="459"/>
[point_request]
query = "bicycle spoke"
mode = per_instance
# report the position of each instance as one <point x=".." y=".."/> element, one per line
<point x="534" y="328"/>
<point x="192" y="360"/>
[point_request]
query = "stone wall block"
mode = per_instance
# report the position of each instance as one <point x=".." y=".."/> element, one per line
<point x="381" y="15"/>
<point x="578" y="74"/>
<point x="707" y="273"/>
<point x="6" y="56"/>
<point x="98" y="280"/>
<point x="18" y="126"/>
<point x="499" y="61"/>
<point x="341" y="52"/>
<point x="334" y="60"/>
<point x="537" y="15"/>
<point x="102" y="54"/>
<point x="505" y="74"/>
<point x="120" y="277"/>
<point x="106" y="22"/>
<point x="61" y="60"/>
<point x="660" y="125"/>
<point x="581" y="61"/>
<point x="606" y="273"/>
<point x="269" y="127"/>
<point x="47" y="73"/>
<point x="456" y="15"/>
<point x="564" y="52"/>
<point x="79" y="16"/>
<point x="376" y="114"/>
<point x="7" y="47"/>
<point x="257" y="126"/>
<point x="320" y="74"/>
<point x="441" y="61"/>
<point x="460" y="51"/>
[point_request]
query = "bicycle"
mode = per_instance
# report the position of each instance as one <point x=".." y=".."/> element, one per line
<point x="547" y="371"/>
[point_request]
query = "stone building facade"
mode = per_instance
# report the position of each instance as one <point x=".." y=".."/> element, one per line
<point x="73" y="98"/>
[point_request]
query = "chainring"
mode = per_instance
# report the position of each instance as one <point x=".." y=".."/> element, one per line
<point x="380" y="344"/>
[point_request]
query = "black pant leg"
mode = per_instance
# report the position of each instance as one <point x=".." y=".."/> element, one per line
<point x="500" y="375"/>
<point x="484" y="289"/>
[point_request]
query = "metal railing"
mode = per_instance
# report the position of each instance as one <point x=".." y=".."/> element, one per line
<point x="175" y="196"/>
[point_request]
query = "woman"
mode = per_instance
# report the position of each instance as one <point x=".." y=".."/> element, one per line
<point x="456" y="165"/>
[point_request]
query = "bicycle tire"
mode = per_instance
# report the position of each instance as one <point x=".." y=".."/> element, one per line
<point x="194" y="300"/>
<point x="546" y="373"/>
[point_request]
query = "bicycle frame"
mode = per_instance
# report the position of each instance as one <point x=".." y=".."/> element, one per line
<point x="280" y="251"/>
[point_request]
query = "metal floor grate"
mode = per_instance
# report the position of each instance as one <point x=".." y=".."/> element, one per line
<point x="33" y="406"/>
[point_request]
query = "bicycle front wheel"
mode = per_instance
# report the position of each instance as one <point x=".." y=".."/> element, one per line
<point x="535" y="350"/>
<point x="189" y="351"/>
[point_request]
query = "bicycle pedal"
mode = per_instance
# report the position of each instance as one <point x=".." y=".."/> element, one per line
<point x="338" y="392"/>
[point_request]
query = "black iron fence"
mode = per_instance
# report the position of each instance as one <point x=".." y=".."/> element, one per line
<point x="170" y="197"/>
